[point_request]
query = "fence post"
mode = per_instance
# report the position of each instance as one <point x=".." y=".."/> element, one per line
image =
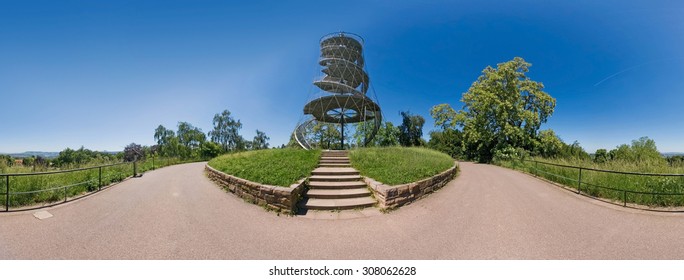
<point x="65" y="194"/>
<point x="7" y="194"/>
<point x="135" y="168"/>
<point x="536" y="168"/>
<point x="624" y="198"/>
<point x="579" y="182"/>
<point x="99" y="184"/>
<point x="152" y="162"/>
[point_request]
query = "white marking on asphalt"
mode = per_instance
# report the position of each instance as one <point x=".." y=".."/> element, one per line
<point x="42" y="215"/>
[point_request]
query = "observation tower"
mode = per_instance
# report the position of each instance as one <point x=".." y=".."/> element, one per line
<point x="342" y="95"/>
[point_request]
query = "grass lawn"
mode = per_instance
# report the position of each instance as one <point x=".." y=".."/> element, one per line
<point x="399" y="165"/>
<point x="278" y="167"/>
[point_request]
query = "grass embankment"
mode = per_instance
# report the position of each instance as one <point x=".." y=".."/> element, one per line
<point x="48" y="188"/>
<point x="619" y="183"/>
<point x="278" y="167"/>
<point x="399" y="165"/>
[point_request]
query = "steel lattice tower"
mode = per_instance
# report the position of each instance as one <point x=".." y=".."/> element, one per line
<point x="343" y="99"/>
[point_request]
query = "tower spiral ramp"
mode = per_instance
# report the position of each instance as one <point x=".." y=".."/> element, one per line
<point x="343" y="95"/>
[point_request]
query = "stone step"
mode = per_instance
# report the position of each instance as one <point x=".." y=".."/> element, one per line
<point x="334" y="165"/>
<point x="336" y="184"/>
<point x="334" y="171"/>
<point x="334" y="162"/>
<point x="339" y="204"/>
<point x="334" y="158"/>
<point x="334" y="154"/>
<point x="337" y="193"/>
<point x="334" y="178"/>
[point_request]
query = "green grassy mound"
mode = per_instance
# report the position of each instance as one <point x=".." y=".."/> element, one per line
<point x="399" y="165"/>
<point x="278" y="167"/>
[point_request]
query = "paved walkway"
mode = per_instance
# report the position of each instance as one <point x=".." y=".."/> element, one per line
<point x="488" y="212"/>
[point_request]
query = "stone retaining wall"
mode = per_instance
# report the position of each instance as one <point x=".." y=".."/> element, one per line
<point x="279" y="199"/>
<point x="394" y="196"/>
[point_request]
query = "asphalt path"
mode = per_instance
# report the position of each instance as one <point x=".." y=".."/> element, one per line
<point x="487" y="212"/>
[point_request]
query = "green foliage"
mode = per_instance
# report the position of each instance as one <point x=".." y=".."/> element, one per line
<point x="75" y="158"/>
<point x="411" y="129"/>
<point x="166" y="141"/>
<point x="279" y="167"/>
<point x="133" y="152"/>
<point x="387" y="135"/>
<point x="641" y="150"/>
<point x="549" y="145"/>
<point x="227" y="132"/>
<point x="503" y="108"/>
<point x="326" y="136"/>
<point x="444" y="116"/>
<point x="676" y="161"/>
<point x="210" y="150"/>
<point x="190" y="138"/>
<point x="399" y="165"/>
<point x="448" y="141"/>
<point x="601" y="156"/>
<point x="260" y="141"/>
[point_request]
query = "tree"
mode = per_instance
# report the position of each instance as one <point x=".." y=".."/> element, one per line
<point x="164" y="137"/>
<point x="411" y="129"/>
<point x="260" y="141"/>
<point x="502" y="108"/>
<point x="448" y="141"/>
<point x="133" y="152"/>
<point x="388" y="135"/>
<point x="601" y="156"/>
<point x="210" y="150"/>
<point x="190" y="138"/>
<point x="549" y="145"/>
<point x="642" y="150"/>
<point x="444" y="116"/>
<point x="226" y="131"/>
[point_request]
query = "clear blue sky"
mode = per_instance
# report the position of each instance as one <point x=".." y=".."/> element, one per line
<point x="103" y="74"/>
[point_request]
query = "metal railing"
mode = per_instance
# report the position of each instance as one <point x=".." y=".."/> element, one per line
<point x="94" y="183"/>
<point x="591" y="187"/>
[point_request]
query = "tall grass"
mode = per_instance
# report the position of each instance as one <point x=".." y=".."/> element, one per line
<point x="649" y="190"/>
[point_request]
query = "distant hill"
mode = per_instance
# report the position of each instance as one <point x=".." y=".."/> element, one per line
<point x="42" y="154"/>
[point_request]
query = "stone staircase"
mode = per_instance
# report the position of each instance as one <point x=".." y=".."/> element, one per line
<point x="335" y="185"/>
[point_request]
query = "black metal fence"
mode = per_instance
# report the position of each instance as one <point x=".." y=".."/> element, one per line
<point x="649" y="189"/>
<point x="25" y="191"/>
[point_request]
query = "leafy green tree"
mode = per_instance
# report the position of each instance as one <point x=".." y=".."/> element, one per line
<point x="133" y="152"/>
<point x="164" y="137"/>
<point x="444" y="116"/>
<point x="601" y="156"/>
<point x="448" y="140"/>
<point x="190" y="139"/>
<point x="326" y="135"/>
<point x="503" y="108"/>
<point x="210" y="149"/>
<point x="642" y="150"/>
<point x="260" y="141"/>
<point x="388" y="135"/>
<point x="574" y="150"/>
<point x="28" y="161"/>
<point x="227" y="132"/>
<point x="411" y="129"/>
<point x="549" y="145"/>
